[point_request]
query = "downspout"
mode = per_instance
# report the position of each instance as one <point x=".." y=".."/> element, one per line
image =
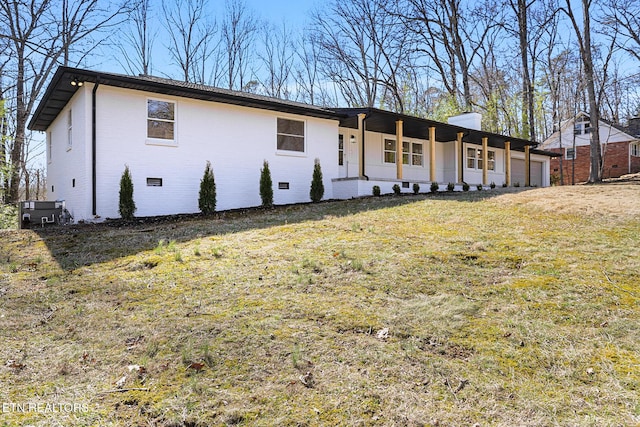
<point x="93" y="147"/>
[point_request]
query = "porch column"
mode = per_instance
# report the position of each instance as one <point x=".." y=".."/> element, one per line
<point x="361" y="117"/>
<point x="432" y="154"/>
<point x="527" y="166"/>
<point x="485" y="160"/>
<point x="399" y="149"/>
<point x="507" y="163"/>
<point x="460" y="156"/>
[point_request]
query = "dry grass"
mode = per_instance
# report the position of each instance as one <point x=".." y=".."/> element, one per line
<point x="517" y="309"/>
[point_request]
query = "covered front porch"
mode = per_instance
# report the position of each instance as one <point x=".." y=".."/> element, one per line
<point x="382" y="148"/>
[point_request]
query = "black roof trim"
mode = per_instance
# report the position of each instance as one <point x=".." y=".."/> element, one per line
<point x="415" y="127"/>
<point x="60" y="91"/>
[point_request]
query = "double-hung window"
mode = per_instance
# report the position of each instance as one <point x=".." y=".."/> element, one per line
<point x="475" y="157"/>
<point x="416" y="154"/>
<point x="582" y="127"/>
<point x="389" y="151"/>
<point x="161" y="120"/>
<point x="635" y="149"/>
<point x="570" y="153"/>
<point x="69" y="130"/>
<point x="290" y="135"/>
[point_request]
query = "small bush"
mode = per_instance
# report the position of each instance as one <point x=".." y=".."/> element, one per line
<point x="126" y="206"/>
<point x="317" y="187"/>
<point x="516" y="184"/>
<point x="396" y="189"/>
<point x="266" y="186"/>
<point x="207" y="195"/>
<point x="451" y="186"/>
<point x="465" y="186"/>
<point x="376" y="190"/>
<point x="434" y="187"/>
<point x="479" y="187"/>
<point x="416" y="188"/>
<point x="504" y="185"/>
<point x="492" y="185"/>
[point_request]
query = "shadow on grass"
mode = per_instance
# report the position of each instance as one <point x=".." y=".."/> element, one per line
<point x="80" y="245"/>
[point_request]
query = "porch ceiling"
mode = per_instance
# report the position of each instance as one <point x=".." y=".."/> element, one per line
<point x="414" y="127"/>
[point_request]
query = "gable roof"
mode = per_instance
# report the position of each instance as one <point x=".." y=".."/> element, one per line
<point x="614" y="129"/>
<point x="60" y="91"/>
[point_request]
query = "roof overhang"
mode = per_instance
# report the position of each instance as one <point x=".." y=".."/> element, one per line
<point x="60" y="91"/>
<point x="377" y="120"/>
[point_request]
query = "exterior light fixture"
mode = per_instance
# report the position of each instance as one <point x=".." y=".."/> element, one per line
<point x="352" y="139"/>
<point x="76" y="82"/>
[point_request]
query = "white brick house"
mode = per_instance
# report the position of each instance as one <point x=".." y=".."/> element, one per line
<point x="165" y="131"/>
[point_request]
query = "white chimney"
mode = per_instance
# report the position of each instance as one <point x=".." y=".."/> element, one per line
<point x="467" y="120"/>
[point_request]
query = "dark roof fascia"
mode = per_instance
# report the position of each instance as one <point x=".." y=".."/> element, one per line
<point x="60" y="91"/>
<point x="470" y="135"/>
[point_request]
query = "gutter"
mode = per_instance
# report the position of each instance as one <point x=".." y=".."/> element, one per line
<point x="93" y="147"/>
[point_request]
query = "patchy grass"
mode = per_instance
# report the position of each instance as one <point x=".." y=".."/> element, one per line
<point x="419" y="310"/>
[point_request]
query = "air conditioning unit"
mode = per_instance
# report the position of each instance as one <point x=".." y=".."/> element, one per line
<point x="40" y="213"/>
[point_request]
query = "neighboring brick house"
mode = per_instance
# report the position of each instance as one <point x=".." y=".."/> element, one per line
<point x="620" y="149"/>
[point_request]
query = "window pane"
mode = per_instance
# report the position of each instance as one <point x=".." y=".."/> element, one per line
<point x="291" y="143"/>
<point x="417" y="148"/>
<point x="291" y="127"/>
<point x="389" y="145"/>
<point x="340" y="158"/>
<point x="160" y="109"/>
<point x="340" y="142"/>
<point x="159" y="129"/>
<point x="471" y="153"/>
<point x="471" y="163"/>
<point x="416" y="160"/>
<point x="389" y="157"/>
<point x="405" y="158"/>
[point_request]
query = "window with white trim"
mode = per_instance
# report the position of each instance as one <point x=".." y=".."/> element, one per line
<point x="582" y="127"/>
<point x="635" y="149"/>
<point x="69" y="130"/>
<point x="389" y="151"/>
<point x="416" y="154"/>
<point x="290" y="135"/>
<point x="570" y="153"/>
<point x="340" y="150"/>
<point x="161" y="120"/>
<point x="49" y="146"/>
<point x="406" y="152"/>
<point x="475" y="159"/>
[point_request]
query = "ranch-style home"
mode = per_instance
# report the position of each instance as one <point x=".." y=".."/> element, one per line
<point x="620" y="149"/>
<point x="165" y="131"/>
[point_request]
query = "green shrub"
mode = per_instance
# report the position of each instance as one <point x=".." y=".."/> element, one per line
<point x="266" y="186"/>
<point x="207" y="196"/>
<point x="434" y="187"/>
<point x="396" y="189"/>
<point x="504" y="185"/>
<point x="451" y="186"/>
<point x="465" y="186"/>
<point x="516" y="184"/>
<point x="492" y="185"/>
<point x="479" y="187"/>
<point x="317" y="187"/>
<point x="416" y="188"/>
<point x="376" y="190"/>
<point x="126" y="206"/>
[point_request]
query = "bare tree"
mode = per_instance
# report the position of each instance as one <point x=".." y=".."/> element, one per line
<point x="624" y="17"/>
<point x="41" y="34"/>
<point x="363" y="51"/>
<point x="139" y="38"/>
<point x="583" y="34"/>
<point x="190" y="37"/>
<point x="277" y="59"/>
<point x="239" y="30"/>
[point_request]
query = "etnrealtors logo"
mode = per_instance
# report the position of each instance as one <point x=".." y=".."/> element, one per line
<point x="44" y="407"/>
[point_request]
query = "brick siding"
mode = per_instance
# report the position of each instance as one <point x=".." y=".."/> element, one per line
<point x="616" y="163"/>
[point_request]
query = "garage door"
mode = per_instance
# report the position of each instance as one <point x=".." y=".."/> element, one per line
<point x="517" y="172"/>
